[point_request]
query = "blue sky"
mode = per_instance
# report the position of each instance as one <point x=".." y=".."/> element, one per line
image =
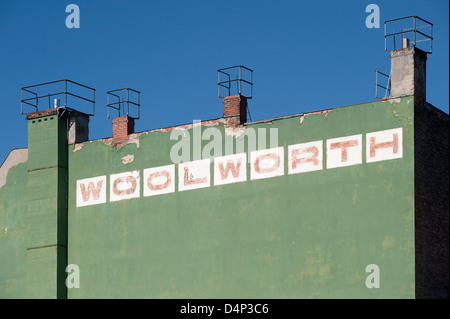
<point x="306" y="55"/>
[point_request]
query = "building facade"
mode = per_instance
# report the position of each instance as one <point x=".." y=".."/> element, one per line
<point x="348" y="202"/>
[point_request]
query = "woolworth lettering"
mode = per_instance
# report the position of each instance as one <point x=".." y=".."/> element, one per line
<point x="267" y="163"/>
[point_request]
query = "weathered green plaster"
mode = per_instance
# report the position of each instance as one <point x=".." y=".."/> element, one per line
<point x="308" y="235"/>
<point x="13" y="229"/>
<point x="47" y="207"/>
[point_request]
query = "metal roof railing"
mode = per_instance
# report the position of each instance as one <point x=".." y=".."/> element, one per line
<point x="123" y="102"/>
<point x="238" y="73"/>
<point x="414" y="23"/>
<point x="65" y="93"/>
<point x="387" y="88"/>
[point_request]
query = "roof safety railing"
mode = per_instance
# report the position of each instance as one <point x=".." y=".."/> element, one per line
<point x="122" y="106"/>
<point x="65" y="93"/>
<point x="238" y="73"/>
<point x="413" y="24"/>
<point x="387" y="88"/>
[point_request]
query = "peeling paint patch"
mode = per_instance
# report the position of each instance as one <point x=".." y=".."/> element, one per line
<point x="302" y="117"/>
<point x="132" y="138"/>
<point x="322" y="112"/>
<point x="128" y="159"/>
<point x="188" y="126"/>
<point x="183" y="130"/>
<point x="14" y="158"/>
<point x="234" y="131"/>
<point x="394" y="101"/>
<point x="233" y="127"/>
<point x="77" y="147"/>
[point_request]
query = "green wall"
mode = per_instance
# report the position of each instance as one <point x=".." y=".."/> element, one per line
<point x="307" y="235"/>
<point x="13" y="229"/>
<point x="33" y="208"/>
<point x="47" y="207"/>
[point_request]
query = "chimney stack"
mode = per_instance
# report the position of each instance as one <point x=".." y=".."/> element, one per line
<point x="123" y="101"/>
<point x="235" y="106"/>
<point x="408" y="72"/>
<point x="122" y="127"/>
<point x="78" y="127"/>
<point x="408" y="63"/>
<point x="239" y="79"/>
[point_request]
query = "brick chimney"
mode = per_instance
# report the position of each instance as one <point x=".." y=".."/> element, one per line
<point x="122" y="127"/>
<point x="235" y="106"/>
